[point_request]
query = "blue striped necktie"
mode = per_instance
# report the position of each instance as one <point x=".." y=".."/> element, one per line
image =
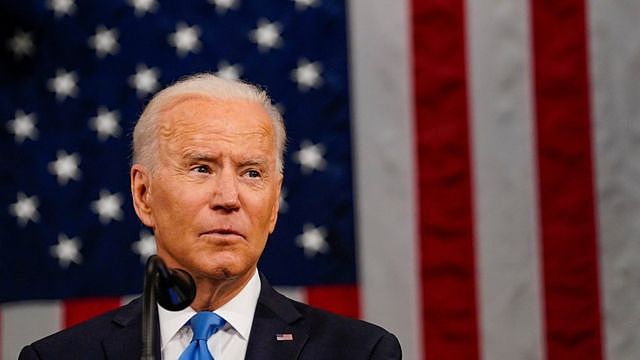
<point x="204" y="324"/>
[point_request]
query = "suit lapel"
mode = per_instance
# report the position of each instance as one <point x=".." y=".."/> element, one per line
<point x="275" y="316"/>
<point x="125" y="339"/>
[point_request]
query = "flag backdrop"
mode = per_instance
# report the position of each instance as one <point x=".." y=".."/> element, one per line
<point x="463" y="173"/>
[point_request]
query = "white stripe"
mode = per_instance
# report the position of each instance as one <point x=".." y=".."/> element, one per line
<point x="129" y="298"/>
<point x="508" y="270"/>
<point x="615" y="72"/>
<point x="25" y="322"/>
<point x="384" y="172"/>
<point x="293" y="292"/>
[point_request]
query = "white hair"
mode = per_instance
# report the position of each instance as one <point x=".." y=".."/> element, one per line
<point x="145" y="133"/>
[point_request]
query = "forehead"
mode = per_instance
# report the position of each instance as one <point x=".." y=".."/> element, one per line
<point x="198" y="117"/>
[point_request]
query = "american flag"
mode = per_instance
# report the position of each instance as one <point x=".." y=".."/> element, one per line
<point x="462" y="172"/>
<point x="284" y="337"/>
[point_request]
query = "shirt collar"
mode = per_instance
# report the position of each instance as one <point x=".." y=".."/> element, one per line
<point x="238" y="312"/>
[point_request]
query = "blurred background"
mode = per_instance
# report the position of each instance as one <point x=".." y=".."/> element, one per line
<point x="462" y="173"/>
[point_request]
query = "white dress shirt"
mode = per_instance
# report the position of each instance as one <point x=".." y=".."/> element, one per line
<point x="230" y="342"/>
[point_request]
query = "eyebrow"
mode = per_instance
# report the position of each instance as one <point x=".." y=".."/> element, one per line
<point x="207" y="157"/>
<point x="253" y="162"/>
<point x="198" y="156"/>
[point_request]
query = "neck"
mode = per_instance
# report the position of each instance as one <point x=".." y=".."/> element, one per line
<point x="212" y="294"/>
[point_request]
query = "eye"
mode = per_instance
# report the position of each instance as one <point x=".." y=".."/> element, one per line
<point x="201" y="169"/>
<point x="253" y="173"/>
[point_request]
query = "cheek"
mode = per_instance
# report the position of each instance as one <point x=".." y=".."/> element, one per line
<point x="264" y="214"/>
<point x="175" y="209"/>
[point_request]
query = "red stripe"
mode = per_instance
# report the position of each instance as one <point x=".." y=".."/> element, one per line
<point x="444" y="178"/>
<point x="78" y="310"/>
<point x="339" y="299"/>
<point x="570" y="264"/>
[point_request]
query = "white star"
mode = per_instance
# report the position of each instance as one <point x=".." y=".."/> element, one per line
<point x="62" y="7"/>
<point x="284" y="206"/>
<point x="64" y="84"/>
<point x="228" y="71"/>
<point x="266" y="35"/>
<point x="310" y="157"/>
<point x="144" y="247"/>
<point x="303" y="4"/>
<point x="145" y="80"/>
<point x="25" y="209"/>
<point x="65" y="167"/>
<point x="67" y="251"/>
<point x="185" y="39"/>
<point x="141" y="7"/>
<point x="105" y="41"/>
<point x="108" y="206"/>
<point x="223" y="5"/>
<point x="106" y="123"/>
<point x="307" y="74"/>
<point x="23" y="126"/>
<point x="312" y="240"/>
<point x="21" y="44"/>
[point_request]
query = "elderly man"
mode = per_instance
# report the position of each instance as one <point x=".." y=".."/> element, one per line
<point x="206" y="178"/>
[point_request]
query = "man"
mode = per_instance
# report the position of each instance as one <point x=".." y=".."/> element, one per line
<point x="206" y="177"/>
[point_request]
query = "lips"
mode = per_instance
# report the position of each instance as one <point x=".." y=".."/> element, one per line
<point x="223" y="232"/>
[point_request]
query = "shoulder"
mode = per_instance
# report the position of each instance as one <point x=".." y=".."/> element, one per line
<point x="320" y="334"/>
<point x="328" y="335"/>
<point x="341" y="333"/>
<point x="324" y="320"/>
<point x="83" y="340"/>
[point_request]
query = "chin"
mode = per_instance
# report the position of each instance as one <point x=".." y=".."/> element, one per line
<point x="225" y="267"/>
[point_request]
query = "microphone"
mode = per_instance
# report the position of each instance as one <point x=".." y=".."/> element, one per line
<point x="173" y="289"/>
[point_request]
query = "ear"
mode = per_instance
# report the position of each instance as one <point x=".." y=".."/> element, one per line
<point x="276" y="206"/>
<point x="141" y="193"/>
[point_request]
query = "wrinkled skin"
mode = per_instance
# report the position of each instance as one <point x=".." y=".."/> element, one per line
<point x="212" y="197"/>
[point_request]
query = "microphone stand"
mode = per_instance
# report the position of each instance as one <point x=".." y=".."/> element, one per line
<point x="173" y="289"/>
<point x="149" y="310"/>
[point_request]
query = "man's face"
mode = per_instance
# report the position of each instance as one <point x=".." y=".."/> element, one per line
<point x="213" y="197"/>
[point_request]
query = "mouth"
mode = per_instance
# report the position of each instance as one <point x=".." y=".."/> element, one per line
<point x="223" y="233"/>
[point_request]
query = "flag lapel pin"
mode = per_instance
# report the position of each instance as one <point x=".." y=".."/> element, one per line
<point x="284" y="337"/>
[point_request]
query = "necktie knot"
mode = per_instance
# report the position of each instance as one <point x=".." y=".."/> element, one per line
<point x="204" y="324"/>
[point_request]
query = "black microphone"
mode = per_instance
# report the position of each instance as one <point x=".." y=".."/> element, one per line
<point x="173" y="289"/>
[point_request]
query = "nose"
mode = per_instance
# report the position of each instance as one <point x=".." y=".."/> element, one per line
<point x="225" y="193"/>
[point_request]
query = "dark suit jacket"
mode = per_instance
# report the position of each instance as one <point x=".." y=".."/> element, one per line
<point x="316" y="335"/>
